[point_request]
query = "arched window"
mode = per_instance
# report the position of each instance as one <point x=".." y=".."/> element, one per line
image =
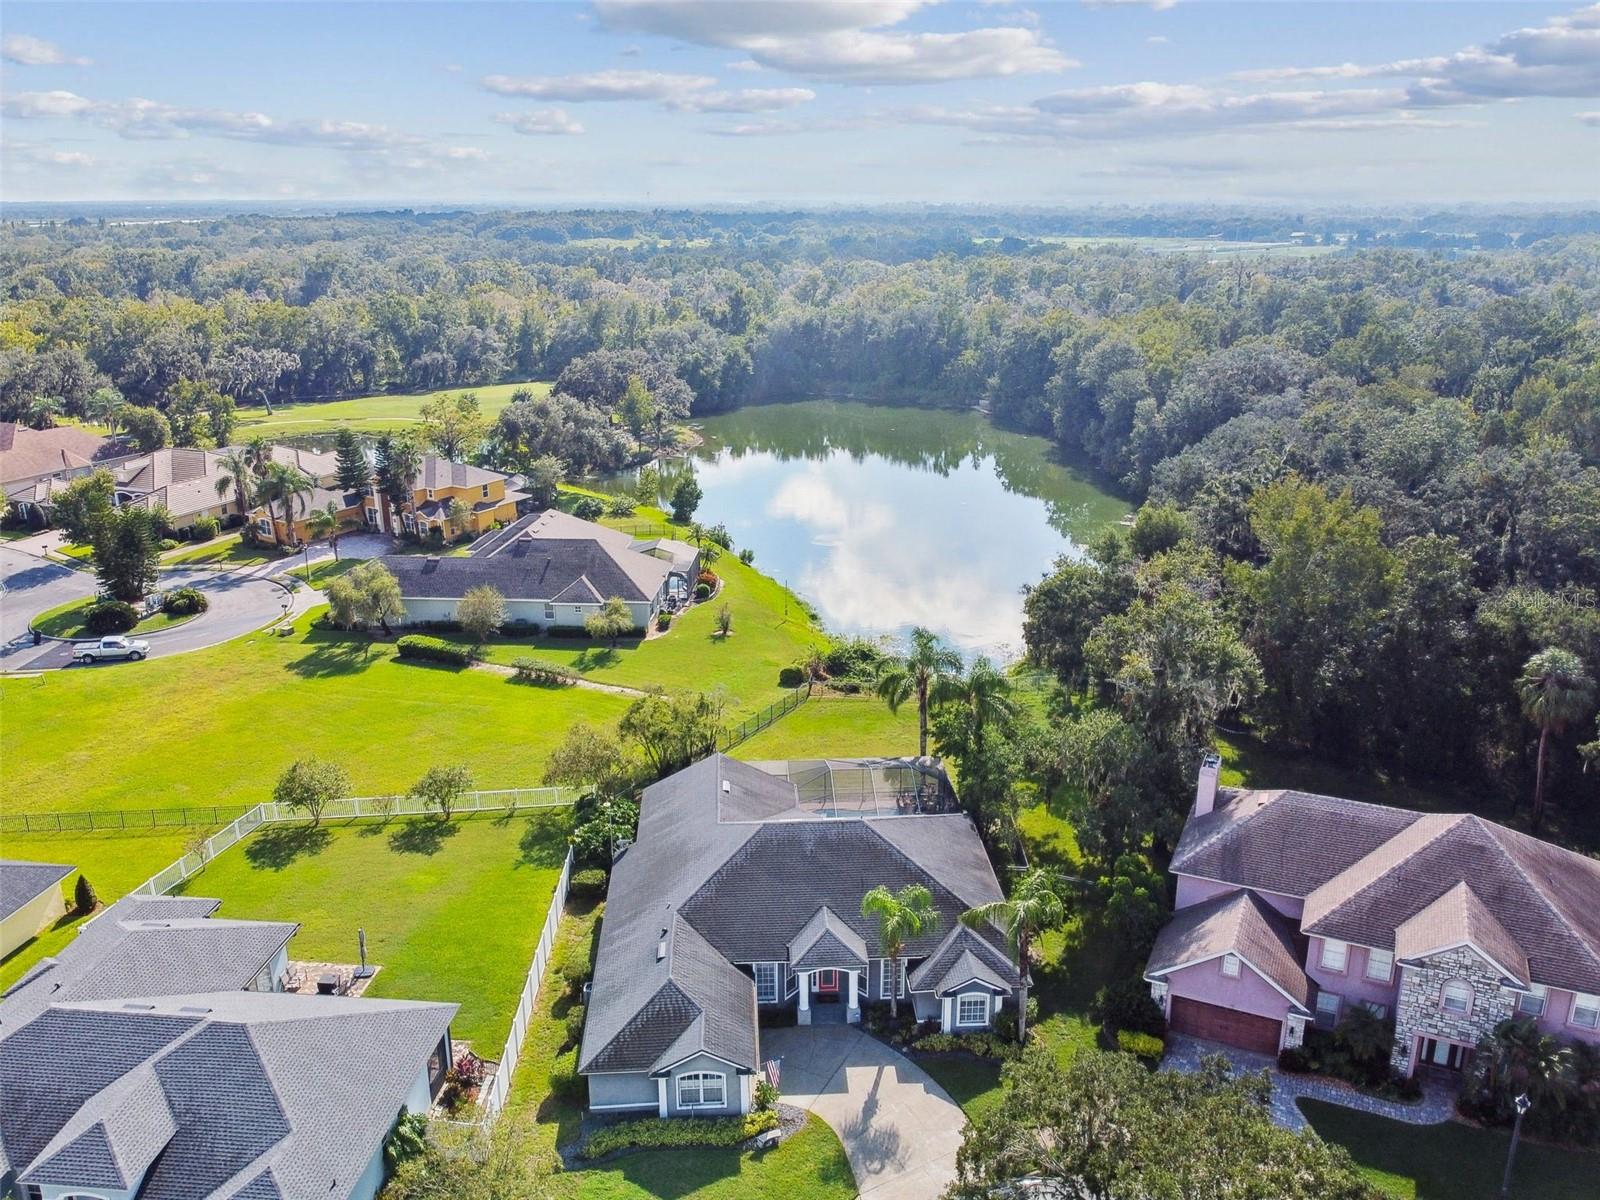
<point x="702" y="1089"/>
<point x="1456" y="998"/>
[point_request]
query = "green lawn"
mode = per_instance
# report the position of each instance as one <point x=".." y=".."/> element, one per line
<point x="218" y="726"/>
<point x="836" y="726"/>
<point x="808" y="1166"/>
<point x="452" y="910"/>
<point x="228" y="550"/>
<point x="1451" y="1161"/>
<point x="367" y="414"/>
<point x="67" y="620"/>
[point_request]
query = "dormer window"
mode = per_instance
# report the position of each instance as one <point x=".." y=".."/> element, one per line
<point x="1334" y="955"/>
<point x="1456" y="998"/>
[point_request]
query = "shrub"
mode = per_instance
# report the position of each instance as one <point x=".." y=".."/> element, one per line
<point x="83" y="898"/>
<point x="204" y="529"/>
<point x="664" y="621"/>
<point x="1126" y="1004"/>
<point x="984" y="1045"/>
<point x="747" y="556"/>
<point x="766" y="1095"/>
<point x="589" y="509"/>
<point x="185" y="602"/>
<point x="567" y="631"/>
<point x="591" y="881"/>
<point x="1295" y="1058"/>
<point x="575" y="1016"/>
<point x="111" y="616"/>
<point x="531" y="670"/>
<point x="565" y="1082"/>
<point x="709" y="578"/>
<point x="168" y="543"/>
<point x="432" y="649"/>
<point x="702" y="591"/>
<point x="1144" y="1046"/>
<point x="621" y="506"/>
<point x="791" y="677"/>
<point x="658" y="1133"/>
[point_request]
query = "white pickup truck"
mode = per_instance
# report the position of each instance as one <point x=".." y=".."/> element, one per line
<point x="108" y="649"/>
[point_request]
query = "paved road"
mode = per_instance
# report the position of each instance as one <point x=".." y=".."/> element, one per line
<point x="899" y="1128"/>
<point x="240" y="603"/>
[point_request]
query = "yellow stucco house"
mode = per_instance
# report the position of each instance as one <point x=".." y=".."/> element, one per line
<point x="489" y="502"/>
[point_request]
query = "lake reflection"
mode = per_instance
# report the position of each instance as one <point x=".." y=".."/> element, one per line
<point x="885" y="518"/>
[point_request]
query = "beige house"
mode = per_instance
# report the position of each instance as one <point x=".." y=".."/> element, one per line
<point x="31" y="900"/>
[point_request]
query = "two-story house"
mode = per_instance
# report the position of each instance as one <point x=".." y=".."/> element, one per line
<point x="1292" y="907"/>
<point x="489" y="502"/>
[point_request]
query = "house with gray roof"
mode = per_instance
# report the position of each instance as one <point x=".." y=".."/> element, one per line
<point x="155" y="1059"/>
<point x="742" y="896"/>
<point x="554" y="571"/>
<point x="1293" y="908"/>
<point x="30" y="900"/>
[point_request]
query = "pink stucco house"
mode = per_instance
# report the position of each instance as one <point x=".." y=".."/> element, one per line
<point x="1291" y="907"/>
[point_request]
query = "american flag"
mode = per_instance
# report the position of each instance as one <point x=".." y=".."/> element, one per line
<point x="774" y="1071"/>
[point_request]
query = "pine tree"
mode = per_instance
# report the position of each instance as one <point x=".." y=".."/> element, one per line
<point x="354" y="473"/>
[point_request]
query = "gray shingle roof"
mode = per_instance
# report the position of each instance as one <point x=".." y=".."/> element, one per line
<point x="711" y="883"/>
<point x="436" y="472"/>
<point x="826" y="941"/>
<point x="1237" y="923"/>
<point x="963" y="956"/>
<point x="22" y="882"/>
<point x="534" y="569"/>
<point x="1459" y="918"/>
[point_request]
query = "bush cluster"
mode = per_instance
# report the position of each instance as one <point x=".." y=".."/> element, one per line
<point x="204" y="529"/>
<point x="111" y="616"/>
<point x="984" y="1045"/>
<point x="1126" y="1004"/>
<point x="1144" y="1046"/>
<point x="663" y="621"/>
<point x="791" y="677"/>
<point x="702" y="591"/>
<point x="565" y="1082"/>
<point x="431" y="649"/>
<point x="852" y="664"/>
<point x="184" y="602"/>
<point x="657" y="1133"/>
<point x="531" y="670"/>
<point x="591" y="881"/>
<point x="589" y="509"/>
<point x="575" y="1016"/>
<point x="567" y="631"/>
<point x="1338" y="1054"/>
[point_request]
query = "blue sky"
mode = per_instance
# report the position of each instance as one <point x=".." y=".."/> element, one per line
<point x="802" y="102"/>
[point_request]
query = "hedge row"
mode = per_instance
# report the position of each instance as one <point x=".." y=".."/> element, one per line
<point x="432" y="649"/>
<point x="655" y="1133"/>
<point x="984" y="1045"/>
<point x="531" y="670"/>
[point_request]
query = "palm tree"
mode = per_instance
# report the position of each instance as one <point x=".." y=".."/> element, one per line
<point x="237" y="474"/>
<point x="1555" y="690"/>
<point x="288" y="487"/>
<point x="1365" y="1034"/>
<point x="926" y="673"/>
<point x="324" y="523"/>
<point x="398" y="472"/>
<point x="902" y="915"/>
<point x="1517" y="1058"/>
<point x="1035" y="905"/>
<point x="258" y="453"/>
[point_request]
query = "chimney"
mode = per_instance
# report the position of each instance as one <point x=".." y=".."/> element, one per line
<point x="1205" y="792"/>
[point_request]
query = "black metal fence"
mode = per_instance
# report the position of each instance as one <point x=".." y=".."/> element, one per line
<point x="122" y="818"/>
<point x="754" y="724"/>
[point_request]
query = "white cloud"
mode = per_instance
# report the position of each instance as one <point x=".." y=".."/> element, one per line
<point x="542" y="122"/>
<point x="1590" y="118"/>
<point x="747" y="100"/>
<point x="840" y="40"/>
<point x="1157" y="39"/>
<point x="28" y="51"/>
<point x="35" y="154"/>
<point x="744" y="64"/>
<point x="600" y="85"/>
<point x="1158" y="5"/>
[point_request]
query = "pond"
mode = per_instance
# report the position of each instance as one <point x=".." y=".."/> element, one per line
<point x="888" y="517"/>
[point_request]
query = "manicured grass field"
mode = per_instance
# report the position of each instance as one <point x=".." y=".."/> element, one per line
<point x="808" y="1166"/>
<point x="1451" y="1161"/>
<point x="836" y="726"/>
<point x="227" y="550"/>
<point x="218" y="726"/>
<point x="452" y="910"/>
<point x="366" y="414"/>
<point x="67" y="620"/>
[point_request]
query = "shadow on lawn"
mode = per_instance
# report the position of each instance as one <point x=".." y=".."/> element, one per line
<point x="276" y="848"/>
<point x="543" y="843"/>
<point x="422" y="835"/>
<point x="333" y="653"/>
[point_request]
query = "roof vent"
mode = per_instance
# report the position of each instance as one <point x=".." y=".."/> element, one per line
<point x="661" y="946"/>
<point x="193" y="1008"/>
<point x="726" y="787"/>
<point x="140" y="1007"/>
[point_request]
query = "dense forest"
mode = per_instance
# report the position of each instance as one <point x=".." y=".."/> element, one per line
<point x="1377" y="464"/>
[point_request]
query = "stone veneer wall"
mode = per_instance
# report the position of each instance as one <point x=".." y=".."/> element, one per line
<point x="1417" y="1010"/>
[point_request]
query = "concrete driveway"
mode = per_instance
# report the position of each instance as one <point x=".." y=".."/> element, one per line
<point x="900" y="1129"/>
<point x="240" y="604"/>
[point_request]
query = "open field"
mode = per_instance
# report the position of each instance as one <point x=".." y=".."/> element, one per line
<point x="836" y="726"/>
<point x="451" y="909"/>
<point x="1451" y="1161"/>
<point x="366" y="414"/>
<point x="218" y="726"/>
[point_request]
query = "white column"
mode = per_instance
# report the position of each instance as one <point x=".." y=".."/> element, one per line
<point x="661" y="1095"/>
<point x="947" y="1018"/>
<point x="803" y="1017"/>
<point x="853" y="1014"/>
<point x="747" y="1087"/>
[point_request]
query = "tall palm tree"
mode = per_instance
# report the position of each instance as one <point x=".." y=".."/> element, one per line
<point x="237" y="474"/>
<point x="258" y="453"/>
<point x="927" y="672"/>
<point x="324" y="523"/>
<point x="902" y="915"/>
<point x="1517" y="1058"/>
<point x="1555" y="690"/>
<point x="288" y="487"/>
<point x="1034" y="906"/>
<point x="398" y="471"/>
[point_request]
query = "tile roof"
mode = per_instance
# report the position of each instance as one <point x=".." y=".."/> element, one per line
<point x="826" y="941"/>
<point x="1237" y="923"/>
<point x="1458" y="918"/>
<point x="22" y="882"/>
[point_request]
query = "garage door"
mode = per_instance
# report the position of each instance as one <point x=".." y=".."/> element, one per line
<point x="1245" y="1030"/>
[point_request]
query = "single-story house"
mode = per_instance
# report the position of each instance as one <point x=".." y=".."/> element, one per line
<point x="31" y="899"/>
<point x="742" y="895"/>
<point x="35" y="463"/>
<point x="152" y="1064"/>
<point x="1292" y="908"/>
<point x="553" y="569"/>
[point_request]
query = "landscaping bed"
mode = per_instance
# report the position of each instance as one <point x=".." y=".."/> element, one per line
<point x="67" y="620"/>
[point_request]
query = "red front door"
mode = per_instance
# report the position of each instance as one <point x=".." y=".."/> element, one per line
<point x="826" y="983"/>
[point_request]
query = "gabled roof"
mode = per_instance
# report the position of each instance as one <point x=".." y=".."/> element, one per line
<point x="22" y="882"/>
<point x="962" y="957"/>
<point x="436" y="472"/>
<point x="1456" y="919"/>
<point x="826" y="941"/>
<point x="573" y="571"/>
<point x="1238" y="923"/>
<point x="26" y="453"/>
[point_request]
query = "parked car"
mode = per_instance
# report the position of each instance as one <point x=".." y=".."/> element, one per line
<point x="108" y="649"/>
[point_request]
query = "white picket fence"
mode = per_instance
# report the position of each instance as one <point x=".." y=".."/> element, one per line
<point x="270" y="812"/>
<point x="493" y="1097"/>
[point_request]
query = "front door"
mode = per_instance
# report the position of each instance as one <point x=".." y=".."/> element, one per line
<point x="1443" y="1054"/>
<point x="826" y="983"/>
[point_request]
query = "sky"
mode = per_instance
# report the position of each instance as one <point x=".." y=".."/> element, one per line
<point x="801" y="103"/>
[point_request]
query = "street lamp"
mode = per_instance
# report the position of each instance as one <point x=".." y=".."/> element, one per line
<point x="1523" y="1104"/>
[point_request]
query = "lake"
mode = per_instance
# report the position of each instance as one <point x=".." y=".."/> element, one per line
<point x="887" y="517"/>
